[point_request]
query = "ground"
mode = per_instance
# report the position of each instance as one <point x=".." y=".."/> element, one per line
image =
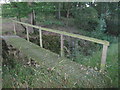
<point x="7" y="29"/>
<point x="74" y="74"/>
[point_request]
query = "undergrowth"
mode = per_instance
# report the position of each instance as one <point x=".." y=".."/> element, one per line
<point x="111" y="63"/>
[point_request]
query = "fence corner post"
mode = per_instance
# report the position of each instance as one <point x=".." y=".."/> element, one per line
<point x="103" y="59"/>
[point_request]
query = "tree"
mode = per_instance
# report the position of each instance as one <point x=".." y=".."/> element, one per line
<point x="102" y="23"/>
<point x="110" y="12"/>
<point x="112" y="21"/>
<point x="86" y="18"/>
<point x="58" y="10"/>
<point x="20" y="10"/>
<point x="31" y="16"/>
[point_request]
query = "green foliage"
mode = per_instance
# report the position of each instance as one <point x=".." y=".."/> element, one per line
<point x="15" y="9"/>
<point x="112" y="20"/>
<point x="100" y="35"/>
<point x="19" y="76"/>
<point x="102" y="24"/>
<point x="86" y="18"/>
<point x="53" y="22"/>
<point x="22" y="9"/>
<point x="52" y="43"/>
<point x="110" y="10"/>
<point x="7" y="10"/>
<point x="77" y="49"/>
<point x="44" y="7"/>
<point x="113" y="27"/>
<point x="111" y="63"/>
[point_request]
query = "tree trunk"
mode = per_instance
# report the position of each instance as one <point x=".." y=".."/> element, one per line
<point x="19" y="19"/>
<point x="67" y="16"/>
<point x="68" y="12"/>
<point x="34" y="22"/>
<point x="31" y="18"/>
<point x="18" y="16"/>
<point x="58" y="11"/>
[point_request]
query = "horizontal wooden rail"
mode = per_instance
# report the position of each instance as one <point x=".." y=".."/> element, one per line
<point x="68" y="34"/>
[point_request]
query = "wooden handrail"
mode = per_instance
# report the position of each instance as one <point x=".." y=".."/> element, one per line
<point x="103" y="42"/>
<point x="67" y="34"/>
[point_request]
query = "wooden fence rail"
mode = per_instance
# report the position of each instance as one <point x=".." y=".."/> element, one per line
<point x="103" y="42"/>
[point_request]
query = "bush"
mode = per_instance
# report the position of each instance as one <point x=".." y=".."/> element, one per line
<point x="112" y="27"/>
<point x="86" y="18"/>
<point x="51" y="43"/>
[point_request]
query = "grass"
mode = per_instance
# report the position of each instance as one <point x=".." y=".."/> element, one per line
<point x="112" y="56"/>
<point x="111" y="63"/>
<point x="22" y="76"/>
<point x="54" y="71"/>
<point x="25" y="78"/>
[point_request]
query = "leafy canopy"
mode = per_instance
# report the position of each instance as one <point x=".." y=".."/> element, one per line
<point x="86" y="18"/>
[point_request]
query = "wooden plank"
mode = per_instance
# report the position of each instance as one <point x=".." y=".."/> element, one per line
<point x="14" y="28"/>
<point x="62" y="45"/>
<point x="27" y="33"/>
<point x="40" y="35"/>
<point x="103" y="59"/>
<point x="68" y="34"/>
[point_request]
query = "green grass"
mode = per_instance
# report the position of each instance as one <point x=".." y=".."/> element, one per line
<point x="53" y="71"/>
<point x="111" y="63"/>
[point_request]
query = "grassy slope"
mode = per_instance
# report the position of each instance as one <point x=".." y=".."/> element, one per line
<point x="111" y="63"/>
<point x="76" y="75"/>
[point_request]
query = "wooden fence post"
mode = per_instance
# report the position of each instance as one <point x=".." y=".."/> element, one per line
<point x="76" y="49"/>
<point x="40" y="35"/>
<point x="27" y="33"/>
<point x="62" y="45"/>
<point x="103" y="59"/>
<point x="14" y="28"/>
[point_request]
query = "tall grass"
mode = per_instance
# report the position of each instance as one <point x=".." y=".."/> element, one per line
<point x="111" y="63"/>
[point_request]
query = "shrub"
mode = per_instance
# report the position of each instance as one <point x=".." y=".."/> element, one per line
<point x="112" y="27"/>
<point x="86" y="18"/>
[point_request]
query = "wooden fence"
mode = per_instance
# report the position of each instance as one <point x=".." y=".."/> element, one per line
<point x="62" y="33"/>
